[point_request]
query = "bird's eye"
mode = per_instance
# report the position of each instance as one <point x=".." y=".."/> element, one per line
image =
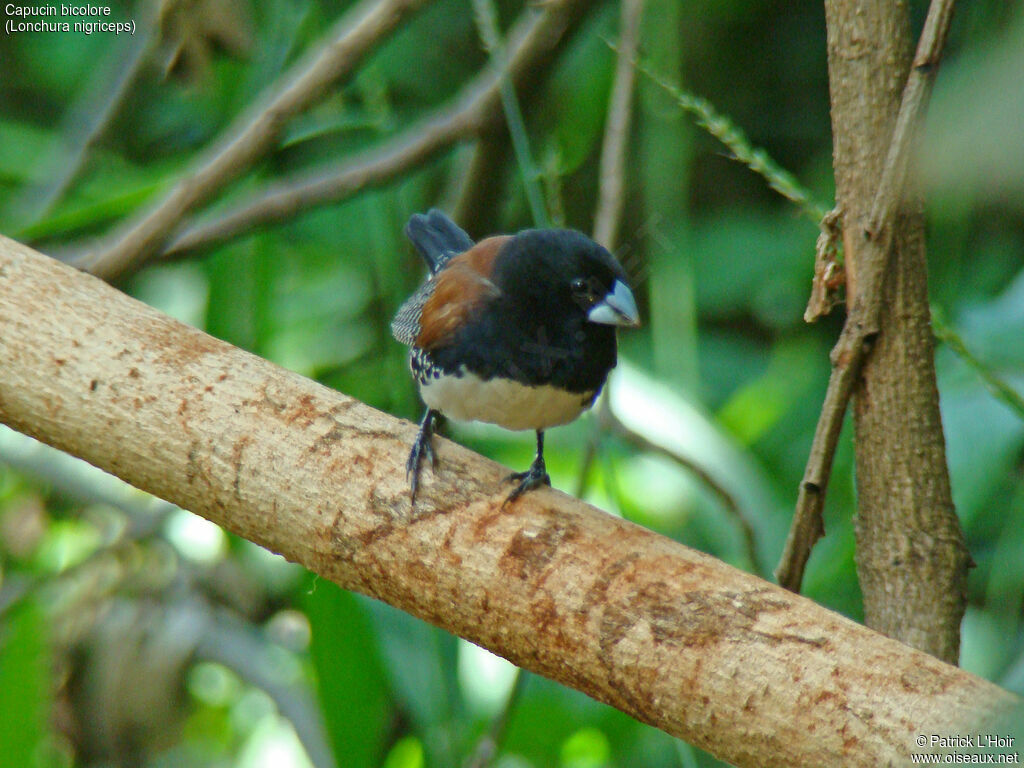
<point x="583" y="293"/>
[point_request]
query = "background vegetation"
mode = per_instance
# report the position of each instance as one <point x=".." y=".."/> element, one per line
<point x="132" y="633"/>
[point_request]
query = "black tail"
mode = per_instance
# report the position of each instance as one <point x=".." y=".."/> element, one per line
<point x="436" y="237"/>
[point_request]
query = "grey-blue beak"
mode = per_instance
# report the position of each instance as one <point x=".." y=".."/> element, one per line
<point x="618" y="307"/>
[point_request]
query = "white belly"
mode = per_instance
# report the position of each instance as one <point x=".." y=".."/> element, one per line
<point x="508" y="404"/>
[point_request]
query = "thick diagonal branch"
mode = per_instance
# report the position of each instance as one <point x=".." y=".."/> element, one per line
<point x="677" y="639"/>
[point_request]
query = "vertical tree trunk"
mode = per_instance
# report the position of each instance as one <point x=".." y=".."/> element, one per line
<point x="911" y="558"/>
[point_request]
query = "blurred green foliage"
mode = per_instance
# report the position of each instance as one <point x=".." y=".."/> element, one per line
<point x="129" y="636"/>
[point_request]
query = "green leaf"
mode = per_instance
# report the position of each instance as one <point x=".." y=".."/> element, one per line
<point x="24" y="687"/>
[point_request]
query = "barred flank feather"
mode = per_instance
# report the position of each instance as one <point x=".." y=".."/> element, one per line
<point x="406" y="325"/>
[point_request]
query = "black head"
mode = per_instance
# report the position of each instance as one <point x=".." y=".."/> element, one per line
<point x="564" y="272"/>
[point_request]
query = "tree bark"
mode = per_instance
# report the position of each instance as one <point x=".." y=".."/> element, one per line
<point x="745" y="669"/>
<point x="911" y="558"/>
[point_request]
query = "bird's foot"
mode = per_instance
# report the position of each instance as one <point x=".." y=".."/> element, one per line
<point x="421" y="448"/>
<point x="534" y="477"/>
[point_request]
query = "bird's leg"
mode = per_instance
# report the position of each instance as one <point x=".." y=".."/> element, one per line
<point x="422" y="447"/>
<point x="535" y="476"/>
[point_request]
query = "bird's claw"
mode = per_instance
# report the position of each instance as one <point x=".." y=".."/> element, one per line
<point x="423" y="447"/>
<point x="534" y="477"/>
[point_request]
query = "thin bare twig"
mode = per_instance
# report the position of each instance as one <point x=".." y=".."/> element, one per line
<point x="729" y="503"/>
<point x="487" y="747"/>
<point x="607" y="421"/>
<point x="472" y="110"/>
<point x="611" y="185"/>
<point x="606" y="225"/>
<point x="870" y="248"/>
<point x="252" y="134"/>
<point x="286" y="199"/>
<point x="482" y="183"/>
<point x="611" y="196"/>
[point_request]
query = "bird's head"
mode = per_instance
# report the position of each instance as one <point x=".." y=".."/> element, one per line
<point x="560" y="270"/>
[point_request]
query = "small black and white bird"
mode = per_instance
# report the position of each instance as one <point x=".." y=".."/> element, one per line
<point x="516" y="330"/>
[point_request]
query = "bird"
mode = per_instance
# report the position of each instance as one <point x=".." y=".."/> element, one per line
<point x="514" y="330"/>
